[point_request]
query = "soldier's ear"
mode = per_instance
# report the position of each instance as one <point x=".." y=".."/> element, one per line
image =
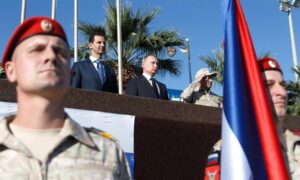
<point x="10" y="70"/>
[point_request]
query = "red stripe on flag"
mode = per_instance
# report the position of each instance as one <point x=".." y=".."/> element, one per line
<point x="274" y="161"/>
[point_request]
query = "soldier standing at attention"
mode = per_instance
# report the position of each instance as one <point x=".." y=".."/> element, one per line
<point x="41" y="141"/>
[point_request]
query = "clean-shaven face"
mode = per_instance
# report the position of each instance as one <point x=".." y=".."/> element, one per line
<point x="150" y="65"/>
<point x="276" y="85"/>
<point x="40" y="63"/>
<point x="97" y="46"/>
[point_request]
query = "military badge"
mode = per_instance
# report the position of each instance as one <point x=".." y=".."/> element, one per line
<point x="46" y="26"/>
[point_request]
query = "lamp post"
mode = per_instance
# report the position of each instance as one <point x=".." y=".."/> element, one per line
<point x="189" y="58"/>
<point x="172" y="51"/>
<point x="285" y="6"/>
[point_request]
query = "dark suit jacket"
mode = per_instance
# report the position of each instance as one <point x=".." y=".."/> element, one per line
<point x="139" y="86"/>
<point x="85" y="76"/>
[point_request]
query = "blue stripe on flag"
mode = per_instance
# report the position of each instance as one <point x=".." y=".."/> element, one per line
<point x="238" y="107"/>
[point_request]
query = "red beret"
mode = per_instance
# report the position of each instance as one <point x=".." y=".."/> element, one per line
<point x="30" y="27"/>
<point x="267" y="63"/>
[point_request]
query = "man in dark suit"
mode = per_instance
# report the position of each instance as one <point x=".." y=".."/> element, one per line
<point x="145" y="85"/>
<point x="93" y="73"/>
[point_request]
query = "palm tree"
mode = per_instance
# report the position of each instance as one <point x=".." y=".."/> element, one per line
<point x="293" y="89"/>
<point x="2" y="72"/>
<point x="137" y="42"/>
<point x="215" y="62"/>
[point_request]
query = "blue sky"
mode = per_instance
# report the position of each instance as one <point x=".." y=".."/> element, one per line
<point x="199" y="20"/>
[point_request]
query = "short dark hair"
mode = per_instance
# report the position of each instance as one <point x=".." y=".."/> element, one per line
<point x="147" y="55"/>
<point x="92" y="36"/>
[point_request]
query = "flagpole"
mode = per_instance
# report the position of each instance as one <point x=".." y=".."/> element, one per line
<point x="119" y="32"/>
<point x="286" y="6"/>
<point x="189" y="58"/>
<point x="53" y="11"/>
<point x="294" y="51"/>
<point x="23" y="10"/>
<point x="75" y="31"/>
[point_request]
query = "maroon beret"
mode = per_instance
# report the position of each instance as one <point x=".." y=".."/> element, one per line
<point x="30" y="27"/>
<point x="267" y="63"/>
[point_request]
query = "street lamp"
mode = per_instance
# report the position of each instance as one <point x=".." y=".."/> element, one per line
<point x="171" y="51"/>
<point x="285" y="6"/>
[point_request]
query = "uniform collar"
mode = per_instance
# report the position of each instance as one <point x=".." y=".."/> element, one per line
<point x="73" y="129"/>
<point x="8" y="139"/>
<point x="70" y="128"/>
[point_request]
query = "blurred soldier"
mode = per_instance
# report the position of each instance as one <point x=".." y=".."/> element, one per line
<point x="198" y="92"/>
<point x="93" y="73"/>
<point x="275" y="83"/>
<point x="41" y="141"/>
<point x="146" y="85"/>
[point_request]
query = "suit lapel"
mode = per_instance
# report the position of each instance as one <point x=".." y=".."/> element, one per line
<point x="106" y="73"/>
<point x="149" y="86"/>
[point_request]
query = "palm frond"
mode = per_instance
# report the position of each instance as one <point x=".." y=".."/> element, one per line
<point x="267" y="54"/>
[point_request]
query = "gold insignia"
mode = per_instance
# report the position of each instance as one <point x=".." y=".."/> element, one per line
<point x="107" y="135"/>
<point x="46" y="26"/>
<point x="272" y="64"/>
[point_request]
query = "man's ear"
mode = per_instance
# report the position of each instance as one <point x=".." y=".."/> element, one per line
<point x="10" y="70"/>
<point x="90" y="45"/>
<point x="143" y="63"/>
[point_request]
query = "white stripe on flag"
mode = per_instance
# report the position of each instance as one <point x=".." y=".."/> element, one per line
<point x="234" y="164"/>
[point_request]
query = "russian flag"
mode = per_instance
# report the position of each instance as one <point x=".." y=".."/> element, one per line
<point x="250" y="145"/>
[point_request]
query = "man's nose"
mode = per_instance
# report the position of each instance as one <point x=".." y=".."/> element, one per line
<point x="50" y="55"/>
<point x="280" y="90"/>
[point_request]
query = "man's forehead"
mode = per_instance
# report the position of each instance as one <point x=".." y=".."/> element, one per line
<point x="43" y="40"/>
<point x="273" y="75"/>
<point x="151" y="59"/>
<point x="99" y="37"/>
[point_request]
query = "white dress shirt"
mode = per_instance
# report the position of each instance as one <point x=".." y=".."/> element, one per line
<point x="148" y="77"/>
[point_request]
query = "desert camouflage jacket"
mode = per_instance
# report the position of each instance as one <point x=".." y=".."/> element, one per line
<point x="79" y="154"/>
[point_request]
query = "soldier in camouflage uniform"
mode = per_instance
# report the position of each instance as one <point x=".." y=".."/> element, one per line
<point x="290" y="142"/>
<point x="198" y="92"/>
<point x="41" y="141"/>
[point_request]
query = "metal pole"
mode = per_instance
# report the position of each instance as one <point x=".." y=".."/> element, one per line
<point x="119" y="30"/>
<point x="189" y="59"/>
<point x="293" y="42"/>
<point x="75" y="31"/>
<point x="23" y="10"/>
<point x="53" y="11"/>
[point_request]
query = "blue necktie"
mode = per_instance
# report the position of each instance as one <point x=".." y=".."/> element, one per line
<point x="101" y="71"/>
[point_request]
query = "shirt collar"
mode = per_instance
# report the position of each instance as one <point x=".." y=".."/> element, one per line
<point x="147" y="76"/>
<point x="94" y="60"/>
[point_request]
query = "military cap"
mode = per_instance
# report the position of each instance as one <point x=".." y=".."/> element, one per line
<point x="267" y="64"/>
<point x="204" y="72"/>
<point x="32" y="26"/>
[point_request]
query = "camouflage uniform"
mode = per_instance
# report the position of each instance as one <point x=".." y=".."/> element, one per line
<point x="193" y="94"/>
<point x="292" y="150"/>
<point x="293" y="153"/>
<point x="79" y="154"/>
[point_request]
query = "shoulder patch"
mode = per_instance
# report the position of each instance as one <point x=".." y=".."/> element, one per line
<point x="100" y="132"/>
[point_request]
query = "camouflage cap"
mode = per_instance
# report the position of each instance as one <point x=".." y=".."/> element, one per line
<point x="204" y="72"/>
